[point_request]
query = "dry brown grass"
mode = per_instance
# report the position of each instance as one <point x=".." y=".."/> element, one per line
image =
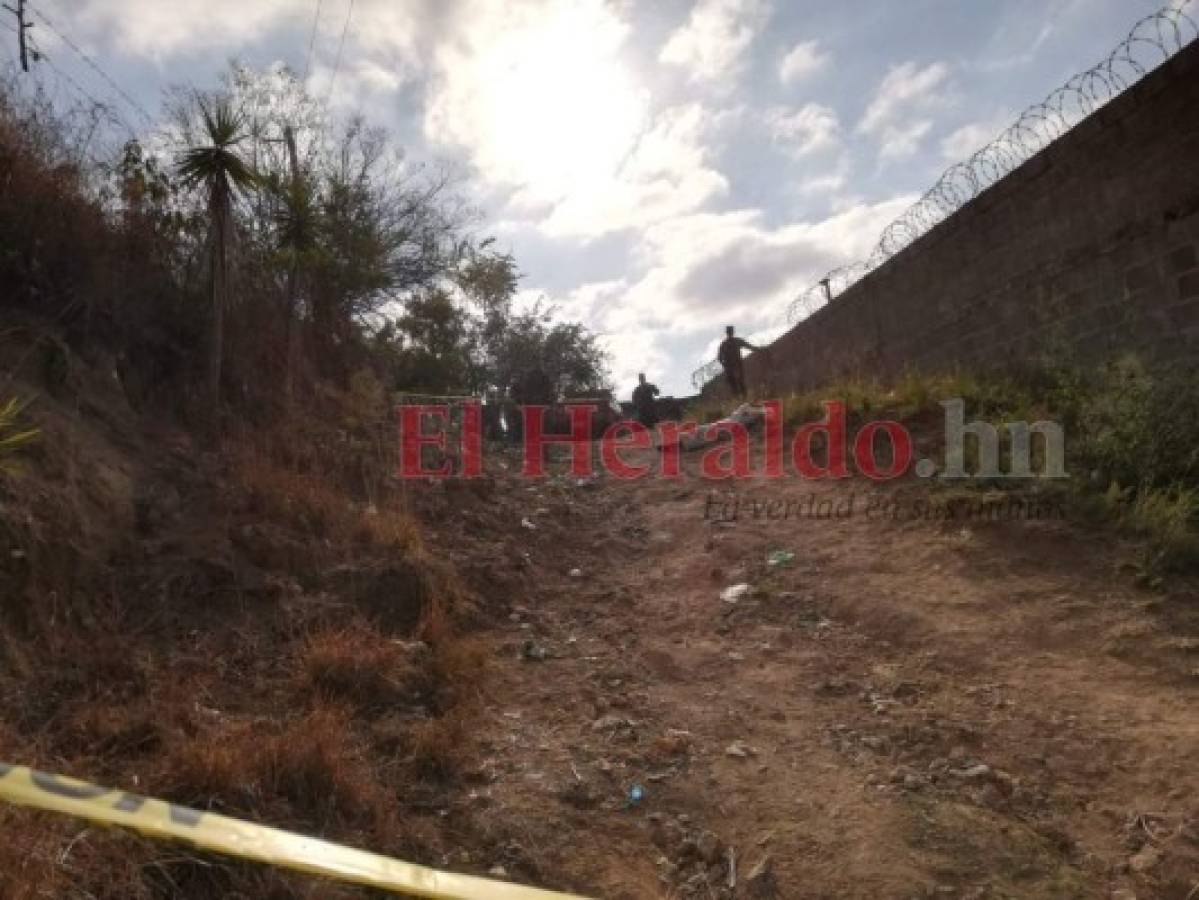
<point x="315" y="507"/>
<point x="439" y="747"/>
<point x="357" y="664"/>
<point x="312" y="773"/>
<point x="246" y="710"/>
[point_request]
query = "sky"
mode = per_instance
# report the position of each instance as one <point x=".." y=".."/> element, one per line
<point x="659" y="168"/>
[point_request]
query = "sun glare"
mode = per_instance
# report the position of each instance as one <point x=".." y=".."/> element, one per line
<point x="560" y="109"/>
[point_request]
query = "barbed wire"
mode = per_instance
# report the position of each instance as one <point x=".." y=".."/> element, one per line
<point x="1151" y="41"/>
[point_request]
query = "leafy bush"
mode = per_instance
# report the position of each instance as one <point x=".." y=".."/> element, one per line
<point x="1132" y="437"/>
<point x="1142" y="429"/>
<point x="1166" y="518"/>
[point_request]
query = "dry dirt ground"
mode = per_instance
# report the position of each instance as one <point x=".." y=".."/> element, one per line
<point x="909" y="708"/>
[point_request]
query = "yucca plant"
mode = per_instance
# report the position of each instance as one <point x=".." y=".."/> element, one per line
<point x="12" y="438"/>
<point x="216" y="167"/>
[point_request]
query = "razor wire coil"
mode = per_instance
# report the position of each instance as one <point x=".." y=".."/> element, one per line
<point x="1153" y="40"/>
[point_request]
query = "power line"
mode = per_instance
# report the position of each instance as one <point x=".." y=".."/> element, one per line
<point x="316" y="21"/>
<point x="21" y="29"/>
<point x="340" y="47"/>
<point x="107" y="108"/>
<point x="137" y="107"/>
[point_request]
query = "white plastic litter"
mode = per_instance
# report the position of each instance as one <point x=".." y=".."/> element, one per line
<point x="734" y="593"/>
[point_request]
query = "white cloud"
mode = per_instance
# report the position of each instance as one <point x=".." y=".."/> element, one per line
<point x="964" y="142"/>
<point x="905" y="88"/>
<point x="159" y="30"/>
<point x="667" y="173"/>
<point x="804" y="60"/>
<point x="811" y="129"/>
<point x="902" y="141"/>
<point x="830" y="181"/>
<point x="717" y="34"/>
<point x="385" y="41"/>
<point x="699" y="272"/>
<point x="897" y="115"/>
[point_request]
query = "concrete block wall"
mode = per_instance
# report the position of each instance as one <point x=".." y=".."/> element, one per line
<point x="1087" y="251"/>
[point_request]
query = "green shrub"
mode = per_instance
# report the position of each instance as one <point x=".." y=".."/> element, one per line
<point x="1141" y="428"/>
<point x="1167" y="518"/>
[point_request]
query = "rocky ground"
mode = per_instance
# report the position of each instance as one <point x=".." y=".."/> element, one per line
<point x="640" y="695"/>
<point x="896" y="705"/>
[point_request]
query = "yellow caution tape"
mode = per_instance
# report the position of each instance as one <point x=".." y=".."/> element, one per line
<point x="166" y="821"/>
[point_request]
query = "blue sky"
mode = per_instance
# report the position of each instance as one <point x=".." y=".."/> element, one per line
<point x="659" y="169"/>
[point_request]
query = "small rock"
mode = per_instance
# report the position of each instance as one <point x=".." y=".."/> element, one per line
<point x="604" y="723"/>
<point x="497" y="872"/>
<point x="835" y="686"/>
<point x="688" y="849"/>
<point x="708" y="847"/>
<point x="535" y="652"/>
<point x="738" y="749"/>
<point x="1007" y="783"/>
<point x="734" y="593"/>
<point x="580" y="794"/>
<point x="576" y="573"/>
<point x="1147" y="859"/>
<point x="973" y="773"/>
<point x="666" y="834"/>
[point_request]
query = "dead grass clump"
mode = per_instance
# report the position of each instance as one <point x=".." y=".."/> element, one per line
<point x="317" y="508"/>
<point x="319" y="768"/>
<point x="44" y="855"/>
<point x="302" y="502"/>
<point x="217" y="771"/>
<point x="110" y="731"/>
<point x="311" y="775"/>
<point x="357" y="664"/>
<point x="460" y="666"/>
<point x="438" y="748"/>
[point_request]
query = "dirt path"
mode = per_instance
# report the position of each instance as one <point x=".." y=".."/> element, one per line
<point x="908" y="709"/>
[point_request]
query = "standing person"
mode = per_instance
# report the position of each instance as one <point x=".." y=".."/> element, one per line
<point x="643" y="402"/>
<point x="533" y="388"/>
<point x="729" y="356"/>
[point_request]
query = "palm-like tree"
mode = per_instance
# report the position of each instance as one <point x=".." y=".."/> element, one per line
<point x="215" y="166"/>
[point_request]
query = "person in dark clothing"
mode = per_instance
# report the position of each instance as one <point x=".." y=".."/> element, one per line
<point x="643" y="402"/>
<point x="533" y="388"/>
<point x="729" y="356"/>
